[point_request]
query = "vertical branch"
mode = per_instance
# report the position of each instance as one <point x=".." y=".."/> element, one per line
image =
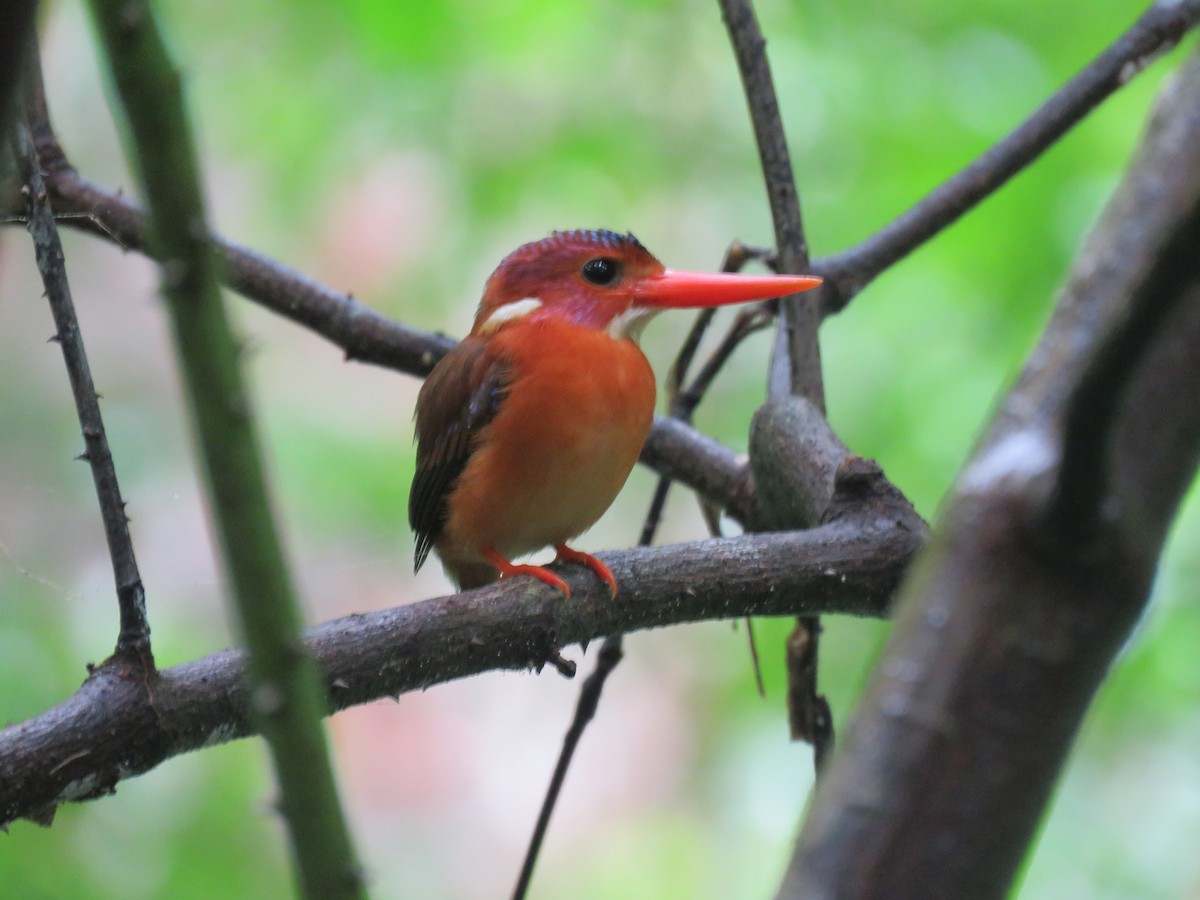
<point x="286" y="694"/>
<point x="796" y="362"/>
<point x="796" y="357"/>
<point x="133" y="639"/>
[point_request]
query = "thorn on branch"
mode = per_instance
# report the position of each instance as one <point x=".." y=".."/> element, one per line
<point x="859" y="485"/>
<point x="43" y="816"/>
<point x="566" y="667"/>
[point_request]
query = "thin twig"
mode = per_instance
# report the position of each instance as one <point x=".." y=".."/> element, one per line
<point x="1155" y="32"/>
<point x="585" y="709"/>
<point x="681" y="401"/>
<point x="288" y="701"/>
<point x="748" y="321"/>
<point x="677" y="374"/>
<point x="684" y="401"/>
<point x="658" y="503"/>
<point x="133" y="638"/>
<point x="736" y="257"/>
<point x="755" y="663"/>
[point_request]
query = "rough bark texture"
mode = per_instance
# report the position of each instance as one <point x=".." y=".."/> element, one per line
<point x="120" y="724"/>
<point x="1013" y="615"/>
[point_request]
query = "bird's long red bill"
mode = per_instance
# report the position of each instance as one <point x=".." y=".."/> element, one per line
<point x="671" y="289"/>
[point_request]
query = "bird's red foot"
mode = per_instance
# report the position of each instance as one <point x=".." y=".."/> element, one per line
<point x="566" y="554"/>
<point x="506" y="568"/>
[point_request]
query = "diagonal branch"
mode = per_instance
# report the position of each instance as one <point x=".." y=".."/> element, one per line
<point x="1091" y="486"/>
<point x="1008" y="624"/>
<point x="364" y="334"/>
<point x="113" y="729"/>
<point x="610" y="656"/>
<point x="1156" y="31"/>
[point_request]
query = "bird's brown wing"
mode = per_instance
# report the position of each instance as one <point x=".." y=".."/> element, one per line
<point x="461" y="395"/>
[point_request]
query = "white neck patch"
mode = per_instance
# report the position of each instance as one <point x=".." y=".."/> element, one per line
<point x="629" y="324"/>
<point x="509" y="312"/>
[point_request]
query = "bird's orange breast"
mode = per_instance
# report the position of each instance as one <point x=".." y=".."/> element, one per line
<point x="576" y="413"/>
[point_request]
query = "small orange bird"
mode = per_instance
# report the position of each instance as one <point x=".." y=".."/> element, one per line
<point x="527" y="429"/>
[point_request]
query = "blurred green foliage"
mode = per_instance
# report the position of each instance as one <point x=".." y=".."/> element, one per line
<point x="398" y="151"/>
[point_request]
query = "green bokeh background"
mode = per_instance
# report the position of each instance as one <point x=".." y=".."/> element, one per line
<point x="397" y="151"/>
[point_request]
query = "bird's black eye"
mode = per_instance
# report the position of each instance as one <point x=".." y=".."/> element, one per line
<point x="602" y="270"/>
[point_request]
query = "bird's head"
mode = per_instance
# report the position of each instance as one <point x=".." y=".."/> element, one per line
<point x="608" y="281"/>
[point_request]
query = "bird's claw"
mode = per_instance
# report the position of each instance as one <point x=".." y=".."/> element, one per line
<point x="566" y="554"/>
<point x="541" y="573"/>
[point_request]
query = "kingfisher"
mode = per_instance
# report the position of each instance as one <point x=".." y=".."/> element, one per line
<point x="528" y="428"/>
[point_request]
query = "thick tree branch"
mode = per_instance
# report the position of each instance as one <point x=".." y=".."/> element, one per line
<point x="286" y="690"/>
<point x="113" y="729"/>
<point x="133" y="638"/>
<point x="1007" y="626"/>
<point x="795" y="457"/>
<point x="1156" y="31"/>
